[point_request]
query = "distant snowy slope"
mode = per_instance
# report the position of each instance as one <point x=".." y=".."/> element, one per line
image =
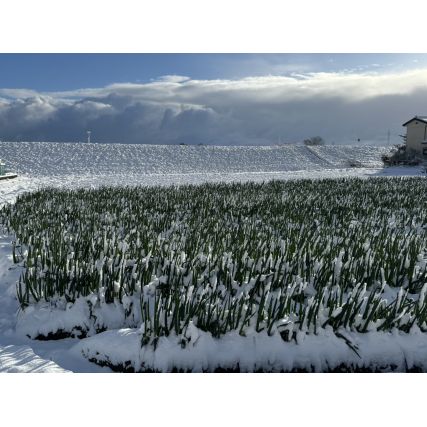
<point x="58" y="159"/>
<point x="76" y="165"/>
<point x="344" y="156"/>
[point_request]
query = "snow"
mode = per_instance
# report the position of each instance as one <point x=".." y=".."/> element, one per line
<point x="75" y="319"/>
<point x="18" y="353"/>
<point x="23" y="359"/>
<point x="71" y="165"/>
<point x="317" y="353"/>
<point x="59" y="159"/>
<point x="74" y="165"/>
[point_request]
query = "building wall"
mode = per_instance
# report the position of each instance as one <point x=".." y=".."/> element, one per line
<point x="416" y="133"/>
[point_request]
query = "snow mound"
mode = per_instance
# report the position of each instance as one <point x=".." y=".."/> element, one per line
<point x="377" y="352"/>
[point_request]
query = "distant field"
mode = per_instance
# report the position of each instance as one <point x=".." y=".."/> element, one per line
<point x="57" y="159"/>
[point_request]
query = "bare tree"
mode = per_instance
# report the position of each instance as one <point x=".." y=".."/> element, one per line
<point x="314" y="140"/>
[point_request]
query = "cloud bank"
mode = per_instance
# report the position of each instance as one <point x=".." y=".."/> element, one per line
<point x="341" y="107"/>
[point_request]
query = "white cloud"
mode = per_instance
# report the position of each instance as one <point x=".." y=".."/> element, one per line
<point x="173" y="78"/>
<point x="17" y="93"/>
<point x="172" y="109"/>
<point x="348" y="85"/>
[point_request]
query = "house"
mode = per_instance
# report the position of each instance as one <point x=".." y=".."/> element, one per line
<point x="416" y="134"/>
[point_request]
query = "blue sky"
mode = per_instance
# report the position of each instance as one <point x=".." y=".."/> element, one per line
<point x="59" y="72"/>
<point x="234" y="99"/>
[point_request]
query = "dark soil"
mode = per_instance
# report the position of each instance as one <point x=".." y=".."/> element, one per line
<point x="127" y="367"/>
<point x="60" y="334"/>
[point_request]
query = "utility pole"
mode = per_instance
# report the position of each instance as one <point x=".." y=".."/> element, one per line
<point x="88" y="136"/>
<point x="388" y="137"/>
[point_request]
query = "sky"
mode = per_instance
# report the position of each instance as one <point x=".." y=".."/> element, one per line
<point x="219" y="99"/>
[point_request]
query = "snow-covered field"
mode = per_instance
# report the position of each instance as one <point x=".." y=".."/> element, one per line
<point x="69" y="165"/>
<point x="75" y="165"/>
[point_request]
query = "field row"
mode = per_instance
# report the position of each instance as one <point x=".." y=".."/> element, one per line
<point x="282" y="258"/>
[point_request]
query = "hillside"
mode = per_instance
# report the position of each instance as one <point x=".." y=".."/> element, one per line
<point x="57" y="159"/>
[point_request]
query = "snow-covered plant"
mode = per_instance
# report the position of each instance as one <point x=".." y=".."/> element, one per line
<point x="282" y="258"/>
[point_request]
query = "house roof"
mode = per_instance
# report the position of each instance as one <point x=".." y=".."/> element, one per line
<point x="419" y="118"/>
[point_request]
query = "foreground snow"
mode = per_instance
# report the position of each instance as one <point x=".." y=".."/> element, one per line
<point x="92" y="165"/>
<point x="17" y="352"/>
<point x="15" y="358"/>
<point x="377" y="351"/>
